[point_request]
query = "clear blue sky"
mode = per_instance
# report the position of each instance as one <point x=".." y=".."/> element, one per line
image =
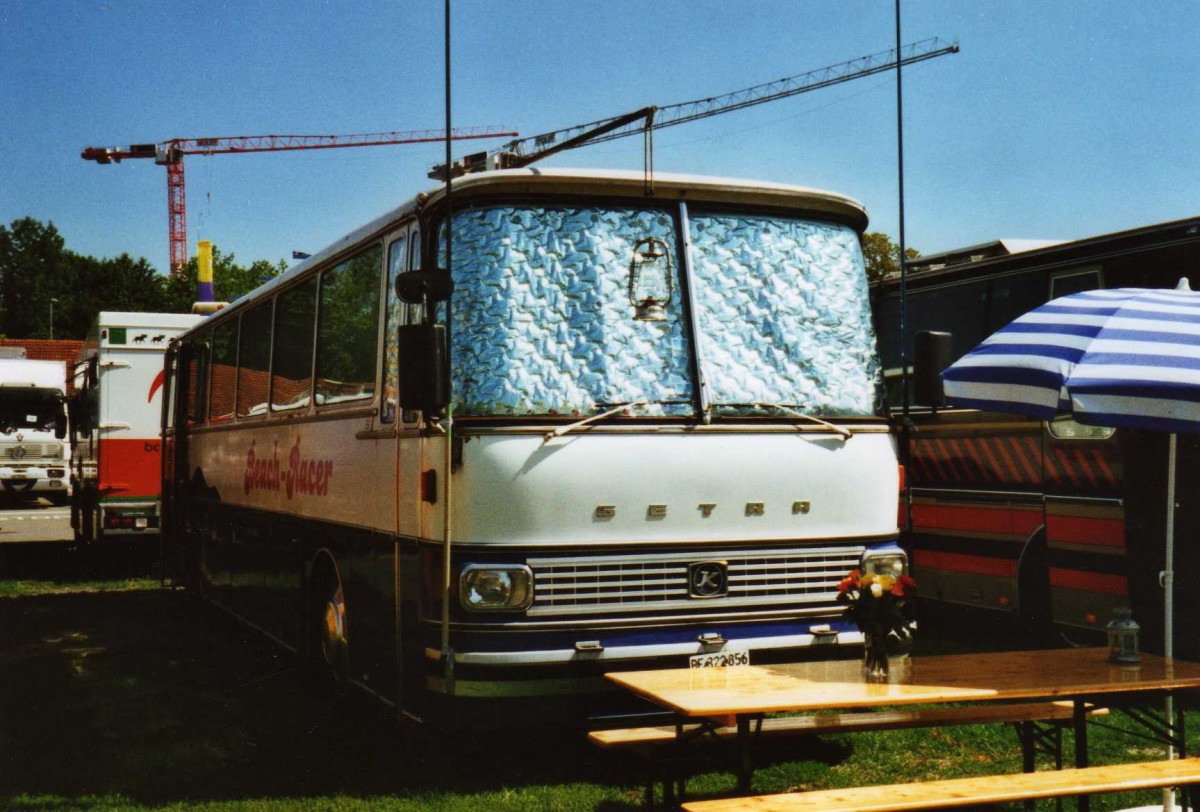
<point x="1058" y="120"/>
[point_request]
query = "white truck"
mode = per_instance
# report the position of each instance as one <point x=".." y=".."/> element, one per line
<point x="34" y="458"/>
<point x="115" y="424"/>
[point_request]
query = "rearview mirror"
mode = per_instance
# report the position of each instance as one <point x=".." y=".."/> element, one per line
<point x="424" y="379"/>
<point x="931" y="355"/>
<point x="421" y="287"/>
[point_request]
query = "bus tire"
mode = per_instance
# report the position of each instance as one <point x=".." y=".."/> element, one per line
<point x="330" y="644"/>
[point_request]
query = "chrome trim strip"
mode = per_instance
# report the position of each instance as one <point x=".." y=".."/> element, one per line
<point x="960" y="494"/>
<point x="874" y="427"/>
<point x="1096" y="500"/>
<point x="648" y="621"/>
<point x="687" y="272"/>
<point x="619" y="653"/>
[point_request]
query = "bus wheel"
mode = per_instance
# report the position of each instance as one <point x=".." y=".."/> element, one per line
<point x="331" y="644"/>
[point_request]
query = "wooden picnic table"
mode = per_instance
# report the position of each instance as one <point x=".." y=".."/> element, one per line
<point x="1084" y="676"/>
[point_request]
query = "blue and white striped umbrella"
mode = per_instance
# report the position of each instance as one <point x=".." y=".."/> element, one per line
<point x="1124" y="357"/>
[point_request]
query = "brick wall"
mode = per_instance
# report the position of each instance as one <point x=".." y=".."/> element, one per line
<point x="41" y="349"/>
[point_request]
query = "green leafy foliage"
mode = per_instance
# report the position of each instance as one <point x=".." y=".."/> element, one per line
<point x="882" y="256"/>
<point x="40" y="276"/>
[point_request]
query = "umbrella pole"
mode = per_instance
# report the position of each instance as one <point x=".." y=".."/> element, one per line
<point x="1167" y="578"/>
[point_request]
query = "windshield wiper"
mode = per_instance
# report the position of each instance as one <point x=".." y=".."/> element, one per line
<point x="844" y="433"/>
<point x="617" y="409"/>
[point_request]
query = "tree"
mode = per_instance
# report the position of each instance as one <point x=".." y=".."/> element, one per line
<point x="32" y="265"/>
<point x="882" y="256"/>
<point x="36" y="267"/>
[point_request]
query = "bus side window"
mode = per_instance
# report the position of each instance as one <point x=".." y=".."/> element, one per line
<point x="1075" y="281"/>
<point x="224" y="371"/>
<point x="414" y="264"/>
<point x="197" y="373"/>
<point x="1012" y="296"/>
<point x="254" y="357"/>
<point x="413" y="311"/>
<point x="348" y="329"/>
<point x="292" y="358"/>
<point x="397" y="262"/>
<point x="170" y="390"/>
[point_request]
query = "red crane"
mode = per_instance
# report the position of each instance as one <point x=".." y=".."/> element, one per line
<point x="170" y="154"/>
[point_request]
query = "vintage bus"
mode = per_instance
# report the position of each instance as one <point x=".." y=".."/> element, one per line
<point x="115" y="415"/>
<point x="1054" y="521"/>
<point x="626" y="428"/>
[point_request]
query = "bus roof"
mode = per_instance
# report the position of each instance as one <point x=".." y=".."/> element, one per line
<point x="591" y="183"/>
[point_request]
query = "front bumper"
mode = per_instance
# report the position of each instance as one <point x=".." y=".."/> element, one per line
<point x="560" y="665"/>
<point x="35" y="479"/>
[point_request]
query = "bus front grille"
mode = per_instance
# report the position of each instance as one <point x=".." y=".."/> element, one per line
<point x="639" y="583"/>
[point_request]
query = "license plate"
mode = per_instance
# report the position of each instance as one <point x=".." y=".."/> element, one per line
<point x="140" y="523"/>
<point x="721" y="659"/>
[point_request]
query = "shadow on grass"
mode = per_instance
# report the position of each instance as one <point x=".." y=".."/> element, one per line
<point x="153" y="697"/>
<point x="150" y="697"/>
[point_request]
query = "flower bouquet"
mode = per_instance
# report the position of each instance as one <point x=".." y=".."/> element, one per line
<point x="881" y="608"/>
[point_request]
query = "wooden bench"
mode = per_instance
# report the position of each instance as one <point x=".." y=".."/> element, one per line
<point x="957" y="792"/>
<point x="667" y="756"/>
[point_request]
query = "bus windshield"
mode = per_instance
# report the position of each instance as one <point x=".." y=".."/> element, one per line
<point x="568" y="310"/>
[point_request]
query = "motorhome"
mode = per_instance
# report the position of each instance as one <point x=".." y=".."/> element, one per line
<point x="1053" y="521"/>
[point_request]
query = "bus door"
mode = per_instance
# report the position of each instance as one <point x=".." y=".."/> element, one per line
<point x="403" y="255"/>
<point x="174" y="465"/>
<point x="976" y="496"/>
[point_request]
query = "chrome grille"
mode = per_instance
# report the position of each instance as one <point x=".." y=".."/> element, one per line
<point x="641" y="583"/>
<point x="28" y="452"/>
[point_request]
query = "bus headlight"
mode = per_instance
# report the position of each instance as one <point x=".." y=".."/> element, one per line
<point x="885" y="562"/>
<point x="495" y="588"/>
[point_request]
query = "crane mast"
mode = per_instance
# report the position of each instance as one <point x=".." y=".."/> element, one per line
<point x="525" y="151"/>
<point x="171" y="154"/>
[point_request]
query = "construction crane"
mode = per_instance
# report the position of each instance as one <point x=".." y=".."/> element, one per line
<point x="171" y="154"/>
<point x="525" y="151"/>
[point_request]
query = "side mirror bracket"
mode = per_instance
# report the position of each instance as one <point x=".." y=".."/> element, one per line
<point x="422" y="287"/>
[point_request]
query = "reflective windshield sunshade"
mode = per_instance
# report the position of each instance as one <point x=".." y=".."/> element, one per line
<point x="784" y="315"/>
<point x="542" y="316"/>
<point x="549" y="318"/>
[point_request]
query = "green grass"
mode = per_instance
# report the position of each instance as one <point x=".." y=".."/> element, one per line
<point x="28" y="588"/>
<point x="118" y="695"/>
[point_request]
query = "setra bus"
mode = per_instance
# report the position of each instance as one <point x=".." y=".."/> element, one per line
<point x="626" y="429"/>
<point x="1054" y="521"/>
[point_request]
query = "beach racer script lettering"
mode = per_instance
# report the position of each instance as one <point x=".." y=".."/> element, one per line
<point x="303" y="475"/>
